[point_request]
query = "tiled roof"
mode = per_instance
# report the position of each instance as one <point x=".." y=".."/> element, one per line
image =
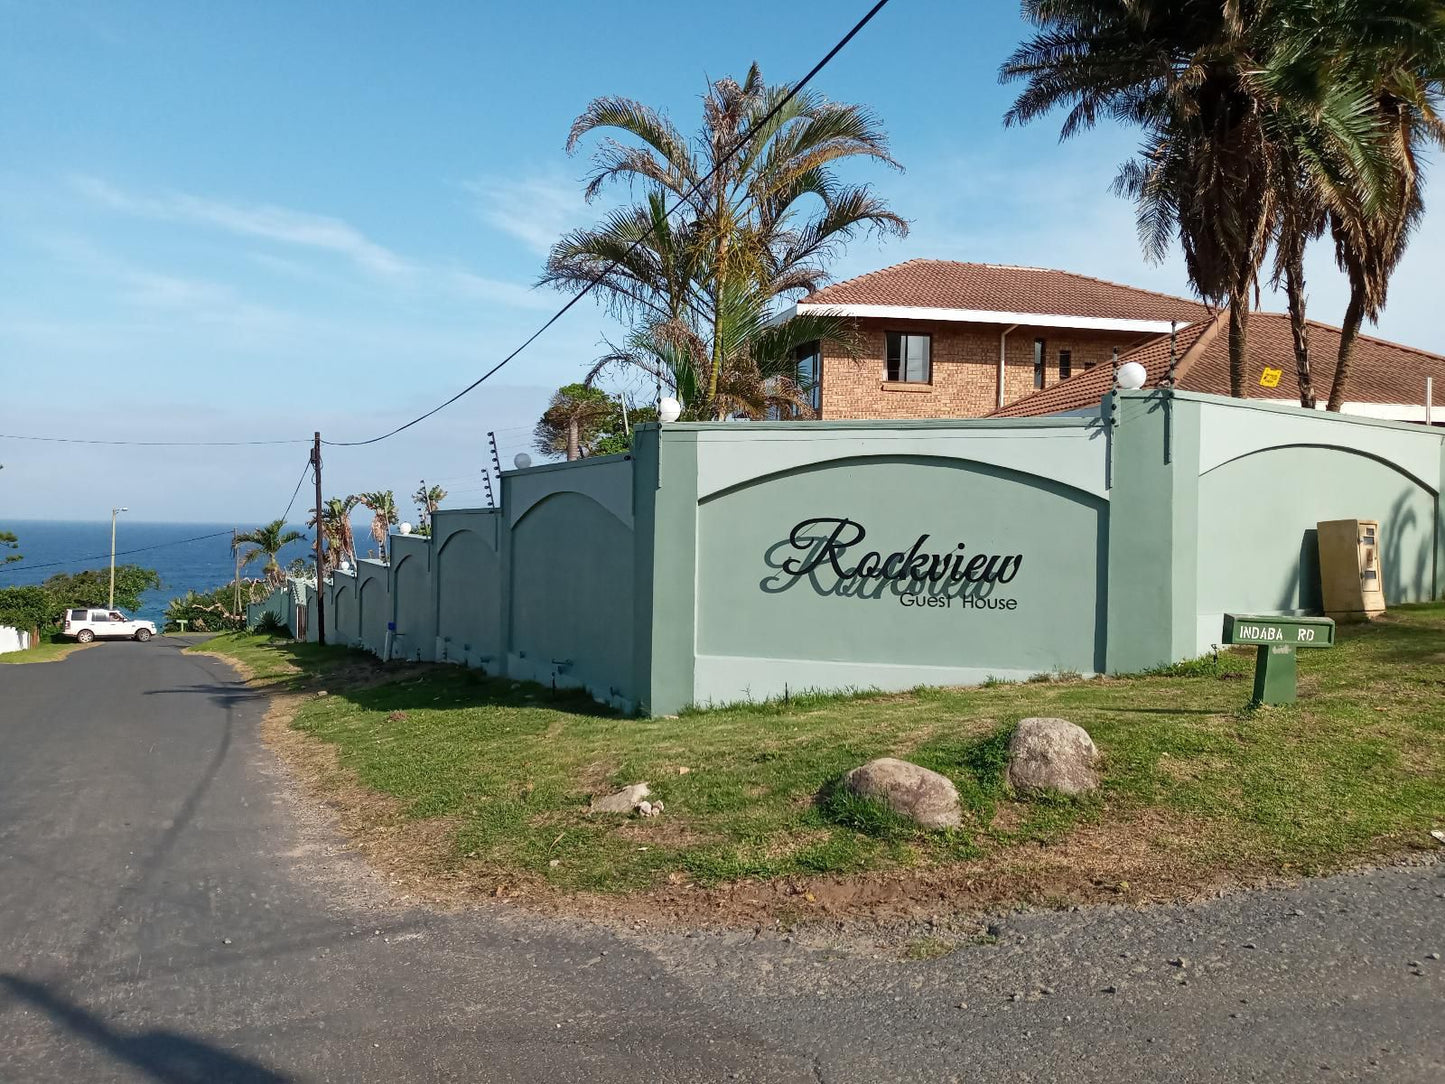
<point x="1089" y="387"/>
<point x="946" y="284"/>
<point x="1383" y="372"/>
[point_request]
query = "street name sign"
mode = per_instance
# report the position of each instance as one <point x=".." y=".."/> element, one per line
<point x="1276" y="669"/>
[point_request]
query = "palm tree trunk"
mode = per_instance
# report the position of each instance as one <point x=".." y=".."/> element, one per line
<point x="1354" y="314"/>
<point x="574" y="450"/>
<point x="1294" y="285"/>
<point x="1238" y="335"/>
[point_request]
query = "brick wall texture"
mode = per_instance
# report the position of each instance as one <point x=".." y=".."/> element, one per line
<point x="964" y="381"/>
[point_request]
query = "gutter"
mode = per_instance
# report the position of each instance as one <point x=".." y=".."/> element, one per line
<point x="1002" y="343"/>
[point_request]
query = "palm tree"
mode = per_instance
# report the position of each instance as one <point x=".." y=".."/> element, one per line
<point x="1406" y="69"/>
<point x="1179" y="71"/>
<point x="382" y="504"/>
<point x="764" y="219"/>
<point x="268" y="541"/>
<point x="1263" y="121"/>
<point x="759" y="370"/>
<point x="336" y="530"/>
<point x="428" y="499"/>
<point x="1360" y="85"/>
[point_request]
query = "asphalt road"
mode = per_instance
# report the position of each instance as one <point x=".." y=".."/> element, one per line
<point x="170" y="911"/>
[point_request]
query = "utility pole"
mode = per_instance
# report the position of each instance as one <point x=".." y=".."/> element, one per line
<point x="113" y="512"/>
<point x="236" y="553"/>
<point x="320" y="565"/>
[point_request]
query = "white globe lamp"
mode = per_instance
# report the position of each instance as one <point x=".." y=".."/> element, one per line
<point x="404" y="527"/>
<point x="668" y="410"/>
<point x="521" y="460"/>
<point x="345" y="566"/>
<point x="1132" y="375"/>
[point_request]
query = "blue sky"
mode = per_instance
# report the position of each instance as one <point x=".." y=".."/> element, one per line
<point x="231" y="220"/>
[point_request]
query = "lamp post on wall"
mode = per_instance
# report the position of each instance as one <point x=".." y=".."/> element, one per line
<point x="113" y="513"/>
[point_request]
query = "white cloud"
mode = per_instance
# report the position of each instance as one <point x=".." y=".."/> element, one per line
<point x="300" y="228"/>
<point x="536" y="210"/>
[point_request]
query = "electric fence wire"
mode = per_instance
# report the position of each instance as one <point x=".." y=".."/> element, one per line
<point x="597" y="280"/>
<point x="20" y="567"/>
<point x="158" y="443"/>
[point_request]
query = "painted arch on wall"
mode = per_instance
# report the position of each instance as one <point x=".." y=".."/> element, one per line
<point x="1258" y="547"/>
<point x="1049" y="615"/>
<point x="469" y="600"/>
<point x="415" y="618"/>
<point x="375" y="608"/>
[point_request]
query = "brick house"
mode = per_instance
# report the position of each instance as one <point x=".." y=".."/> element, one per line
<point x="942" y="339"/>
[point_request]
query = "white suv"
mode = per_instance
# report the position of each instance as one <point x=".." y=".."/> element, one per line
<point x="87" y="625"/>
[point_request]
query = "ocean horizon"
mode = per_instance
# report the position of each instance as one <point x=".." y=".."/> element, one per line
<point x="187" y="556"/>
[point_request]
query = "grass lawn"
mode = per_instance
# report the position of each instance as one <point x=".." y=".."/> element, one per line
<point x="1195" y="784"/>
<point x="50" y="648"/>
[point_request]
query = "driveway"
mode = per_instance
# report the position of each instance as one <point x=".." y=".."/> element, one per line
<point x="171" y="911"/>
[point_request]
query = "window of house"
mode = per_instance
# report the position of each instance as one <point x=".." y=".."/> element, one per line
<point x="1038" y="363"/>
<point x="910" y="357"/>
<point x="1066" y="364"/>
<point x="810" y="374"/>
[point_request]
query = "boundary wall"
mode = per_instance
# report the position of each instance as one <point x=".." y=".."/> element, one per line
<point x="734" y="561"/>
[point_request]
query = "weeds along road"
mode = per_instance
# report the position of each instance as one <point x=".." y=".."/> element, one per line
<point x="171" y="911"/>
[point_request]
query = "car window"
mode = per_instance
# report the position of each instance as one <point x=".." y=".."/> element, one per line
<point x="116" y="615"/>
<point x="77" y="615"/>
<point x="99" y="615"/>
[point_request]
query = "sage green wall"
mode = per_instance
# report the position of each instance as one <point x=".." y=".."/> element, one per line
<point x="1269" y="475"/>
<point x="568" y="567"/>
<point x="374" y="605"/>
<point x="468" y="588"/>
<point x="342" y="616"/>
<point x="415" y="598"/>
<point x="1033" y="488"/>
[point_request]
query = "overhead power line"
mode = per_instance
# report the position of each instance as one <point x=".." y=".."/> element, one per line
<point x="530" y="339"/>
<point x="304" y="472"/>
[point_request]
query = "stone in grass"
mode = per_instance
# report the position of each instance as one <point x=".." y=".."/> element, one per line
<point x="924" y="797"/>
<point x="1052" y="755"/>
<point x="624" y="801"/>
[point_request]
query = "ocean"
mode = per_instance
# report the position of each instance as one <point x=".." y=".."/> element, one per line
<point x="51" y="546"/>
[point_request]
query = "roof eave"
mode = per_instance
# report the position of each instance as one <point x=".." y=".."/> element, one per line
<point x="985" y="316"/>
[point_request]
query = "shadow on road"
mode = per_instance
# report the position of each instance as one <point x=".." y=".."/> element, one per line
<point x="163" y="1055"/>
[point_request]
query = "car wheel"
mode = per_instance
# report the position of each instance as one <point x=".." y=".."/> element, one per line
<point x="142" y="635"/>
<point x="84" y="636"/>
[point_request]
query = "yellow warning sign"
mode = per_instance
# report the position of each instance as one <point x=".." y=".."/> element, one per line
<point x="1270" y="378"/>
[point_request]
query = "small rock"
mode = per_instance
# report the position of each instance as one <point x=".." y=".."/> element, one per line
<point x="645" y="808"/>
<point x="1180" y="961"/>
<point x="225" y="940"/>
<point x="624" y="801"/>
<point x="555" y="863"/>
<point x="924" y="797"/>
<point x="1432" y="956"/>
<point x="683" y="771"/>
<point x="1111" y="989"/>
<point x="1017" y="995"/>
<point x="1052" y="755"/>
<point x="323" y="692"/>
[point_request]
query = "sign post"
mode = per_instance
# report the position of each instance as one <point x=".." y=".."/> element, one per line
<point x="1276" y="667"/>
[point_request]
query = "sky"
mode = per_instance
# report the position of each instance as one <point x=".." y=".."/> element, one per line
<point x="236" y="221"/>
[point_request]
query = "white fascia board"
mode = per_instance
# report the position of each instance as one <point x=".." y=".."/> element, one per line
<point x="1392" y="412"/>
<point x="986" y="316"/>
